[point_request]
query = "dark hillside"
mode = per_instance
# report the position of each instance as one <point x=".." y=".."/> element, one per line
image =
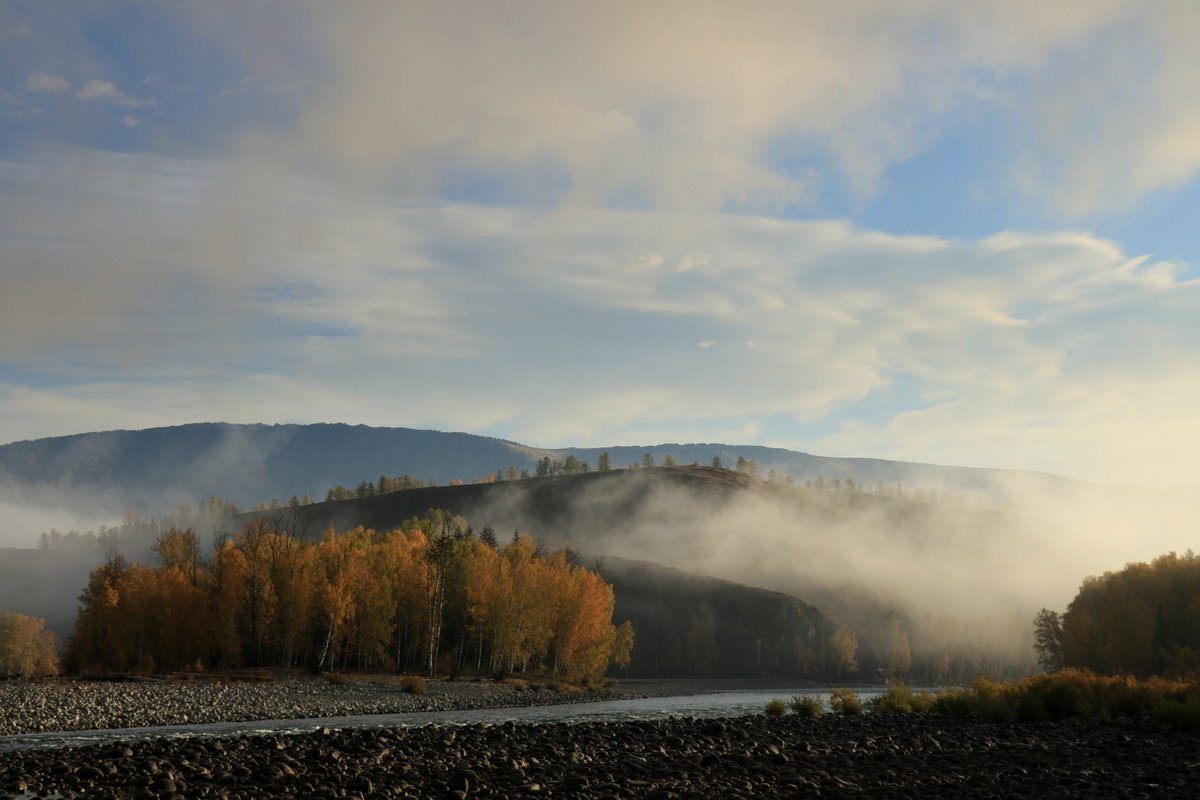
<point x="699" y="627"/>
<point x="801" y="466"/>
<point x="562" y="508"/>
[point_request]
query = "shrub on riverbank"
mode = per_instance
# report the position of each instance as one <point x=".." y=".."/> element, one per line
<point x="1070" y="694"/>
<point x="807" y="706"/>
<point x="845" y="702"/>
<point x="1180" y="715"/>
<point x="1075" y="693"/>
<point x="899" y="699"/>
<point x="413" y="684"/>
<point x="775" y="708"/>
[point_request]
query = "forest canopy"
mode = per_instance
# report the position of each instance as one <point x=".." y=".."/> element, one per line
<point x="430" y="595"/>
<point x="1143" y="620"/>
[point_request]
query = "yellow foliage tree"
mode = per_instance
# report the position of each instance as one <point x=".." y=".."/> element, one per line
<point x="27" y="649"/>
<point x="429" y="594"/>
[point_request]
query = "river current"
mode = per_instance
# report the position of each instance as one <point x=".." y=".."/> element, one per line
<point x="709" y="704"/>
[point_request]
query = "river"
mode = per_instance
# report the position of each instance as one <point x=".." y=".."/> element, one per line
<point x="708" y="704"/>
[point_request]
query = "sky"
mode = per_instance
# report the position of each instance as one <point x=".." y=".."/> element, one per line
<point x="946" y="232"/>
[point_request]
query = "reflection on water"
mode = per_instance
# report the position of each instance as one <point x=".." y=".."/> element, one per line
<point x="712" y="704"/>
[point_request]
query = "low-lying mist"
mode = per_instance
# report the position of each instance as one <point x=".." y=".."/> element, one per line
<point x="26" y="512"/>
<point x="956" y="573"/>
<point x="863" y="557"/>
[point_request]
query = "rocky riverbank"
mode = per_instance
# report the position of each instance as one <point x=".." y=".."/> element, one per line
<point x="877" y="756"/>
<point x="67" y="705"/>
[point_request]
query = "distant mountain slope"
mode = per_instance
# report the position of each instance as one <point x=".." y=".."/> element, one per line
<point x="866" y="472"/>
<point x="154" y="469"/>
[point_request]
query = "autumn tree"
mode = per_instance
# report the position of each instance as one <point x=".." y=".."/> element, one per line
<point x="844" y="645"/>
<point x="1143" y="620"/>
<point x="27" y="649"/>
<point x="96" y="627"/>
<point x="430" y="595"/>
<point x="179" y="549"/>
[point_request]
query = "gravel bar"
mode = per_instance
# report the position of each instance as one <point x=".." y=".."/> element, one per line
<point x="73" y="705"/>
<point x="875" y="756"/>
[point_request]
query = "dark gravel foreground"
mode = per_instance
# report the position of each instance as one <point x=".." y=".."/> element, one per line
<point x="872" y="756"/>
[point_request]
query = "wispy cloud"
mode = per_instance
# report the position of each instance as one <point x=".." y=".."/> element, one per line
<point x="46" y="82"/>
<point x="105" y="90"/>
<point x="1020" y="343"/>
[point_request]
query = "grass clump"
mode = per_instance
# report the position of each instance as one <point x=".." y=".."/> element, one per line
<point x="1181" y="714"/>
<point x="986" y="698"/>
<point x="845" y="702"/>
<point x="807" y="706"/>
<point x="413" y="684"/>
<point x="602" y="685"/>
<point x="775" y="708"/>
<point x="899" y="699"/>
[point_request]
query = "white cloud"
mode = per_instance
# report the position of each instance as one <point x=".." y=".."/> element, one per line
<point x="98" y="89"/>
<point x="684" y="105"/>
<point x="1052" y="350"/>
<point x="46" y="82"/>
<point x="105" y="90"/>
<point x="1116" y="121"/>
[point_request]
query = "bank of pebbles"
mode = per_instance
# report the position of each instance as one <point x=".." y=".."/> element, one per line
<point x="33" y="707"/>
<point x="873" y="756"/>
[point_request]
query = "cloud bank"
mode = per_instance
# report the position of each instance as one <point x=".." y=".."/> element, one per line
<point x="597" y="224"/>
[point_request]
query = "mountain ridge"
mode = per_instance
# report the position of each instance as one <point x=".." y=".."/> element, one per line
<point x="152" y="469"/>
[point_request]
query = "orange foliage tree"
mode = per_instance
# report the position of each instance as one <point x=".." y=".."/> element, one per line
<point x="430" y="595"/>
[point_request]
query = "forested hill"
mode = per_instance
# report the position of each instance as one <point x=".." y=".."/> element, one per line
<point x="560" y="509"/>
<point x="720" y="572"/>
<point x="693" y="524"/>
<point x="686" y="624"/>
<point x="152" y="470"/>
